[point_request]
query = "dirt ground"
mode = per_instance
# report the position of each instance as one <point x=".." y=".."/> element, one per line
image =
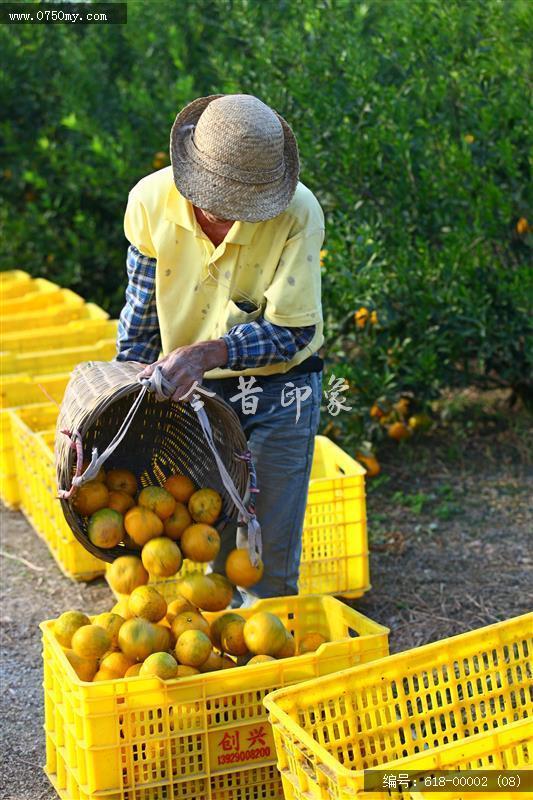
<point x="450" y="527"/>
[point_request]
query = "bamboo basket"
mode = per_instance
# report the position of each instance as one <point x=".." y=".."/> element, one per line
<point x="163" y="438"/>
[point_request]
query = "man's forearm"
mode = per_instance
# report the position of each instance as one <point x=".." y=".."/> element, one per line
<point x="214" y="354"/>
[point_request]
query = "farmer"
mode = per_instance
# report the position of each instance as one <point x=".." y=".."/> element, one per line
<point x="224" y="281"/>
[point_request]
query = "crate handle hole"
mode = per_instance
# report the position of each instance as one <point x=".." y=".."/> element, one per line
<point x="340" y="469"/>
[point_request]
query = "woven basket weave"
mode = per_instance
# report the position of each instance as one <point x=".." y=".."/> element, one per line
<point x="164" y="438"/>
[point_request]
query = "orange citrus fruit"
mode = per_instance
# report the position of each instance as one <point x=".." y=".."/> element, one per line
<point x="101" y="472"/>
<point x="522" y="226"/>
<point x="161" y="557"/>
<point x="146" y="602"/>
<point x="185" y="671"/>
<point x="66" y="625"/>
<point x="402" y="406"/>
<point x="161" y="665"/>
<point x="90" y="497"/>
<point x="121" y="608"/>
<point x="200" y="543"/>
<point x="165" y="637"/>
<point x="91" y="641"/>
<point x="138" y="638"/>
<point x="120" y="501"/>
<point x="398" y="431"/>
<point x="133" y="672"/>
<point x="193" y="648"/>
<point x="219" y="623"/>
<point x="361" y="317"/>
<point x="180" y="487"/>
<point x="198" y="589"/>
<point x="420" y="422"/>
<point x="176" y="607"/>
<point x="126" y="573"/>
<point x="260" y="659"/>
<point x="85" y="668"/>
<point x="157" y="500"/>
<point x="111" y="623"/>
<point x="142" y="524"/>
<point x="370" y="463"/>
<point x="177" y="522"/>
<point x="289" y="648"/>
<point x="189" y="621"/>
<point x="264" y="634"/>
<point x="240" y="571"/>
<point x="221" y="594"/>
<point x="311" y="642"/>
<point x="106" y="528"/>
<point x="232" y="637"/>
<point x="213" y="663"/>
<point x="121" y="480"/>
<point x="117" y="663"/>
<point x="205" y="505"/>
<point x="376" y="412"/>
<point x="104" y="675"/>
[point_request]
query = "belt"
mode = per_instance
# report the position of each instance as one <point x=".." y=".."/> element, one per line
<point x="311" y="364"/>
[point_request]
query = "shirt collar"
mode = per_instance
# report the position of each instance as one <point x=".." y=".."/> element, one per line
<point x="179" y="210"/>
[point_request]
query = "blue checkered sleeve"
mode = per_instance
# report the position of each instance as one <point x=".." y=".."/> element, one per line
<point x="259" y="343"/>
<point x="138" y="337"/>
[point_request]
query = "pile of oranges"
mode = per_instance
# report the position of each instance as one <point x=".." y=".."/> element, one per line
<point x="165" y="524"/>
<point x="151" y="638"/>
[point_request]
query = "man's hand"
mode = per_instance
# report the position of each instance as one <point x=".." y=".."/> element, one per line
<point x="185" y="365"/>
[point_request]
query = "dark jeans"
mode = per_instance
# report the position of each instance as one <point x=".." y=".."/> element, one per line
<point x="282" y="450"/>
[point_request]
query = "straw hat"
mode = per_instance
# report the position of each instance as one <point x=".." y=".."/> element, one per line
<point x="235" y="157"/>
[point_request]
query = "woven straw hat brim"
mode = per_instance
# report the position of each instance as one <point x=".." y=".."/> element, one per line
<point x="221" y="195"/>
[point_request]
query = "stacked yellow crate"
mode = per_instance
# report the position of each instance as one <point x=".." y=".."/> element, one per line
<point x="44" y="332"/>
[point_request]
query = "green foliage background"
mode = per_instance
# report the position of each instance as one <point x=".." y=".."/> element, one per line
<point x="414" y="127"/>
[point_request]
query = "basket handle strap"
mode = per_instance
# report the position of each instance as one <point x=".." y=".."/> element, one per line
<point x="255" y="545"/>
<point x="156" y="383"/>
<point x="97" y="461"/>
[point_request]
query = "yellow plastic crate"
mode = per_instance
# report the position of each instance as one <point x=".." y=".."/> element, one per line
<point x="33" y="443"/>
<point x="43" y="294"/>
<point x="398" y="712"/>
<point x="47" y="361"/>
<point x="12" y="276"/>
<point x="71" y="334"/>
<point x="509" y="747"/>
<point x="15" y="391"/>
<point x="334" y="541"/>
<point x="14" y="284"/>
<point x="22" y="390"/>
<point x="38" y="416"/>
<point x="56" y="315"/>
<point x="204" y="737"/>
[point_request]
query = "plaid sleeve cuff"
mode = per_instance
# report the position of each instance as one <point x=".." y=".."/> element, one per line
<point x="260" y="343"/>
